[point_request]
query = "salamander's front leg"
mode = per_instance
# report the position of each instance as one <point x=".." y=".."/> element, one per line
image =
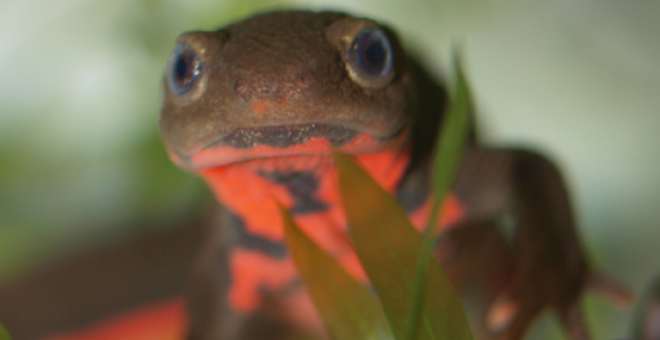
<point x="235" y="289"/>
<point x="549" y="266"/>
<point x="478" y="262"/>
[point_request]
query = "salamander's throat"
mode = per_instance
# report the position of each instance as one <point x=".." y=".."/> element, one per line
<point x="306" y="185"/>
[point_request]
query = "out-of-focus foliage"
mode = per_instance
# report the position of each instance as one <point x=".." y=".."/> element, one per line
<point x="3" y="334"/>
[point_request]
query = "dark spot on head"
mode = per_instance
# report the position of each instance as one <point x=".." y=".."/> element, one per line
<point x="304" y="80"/>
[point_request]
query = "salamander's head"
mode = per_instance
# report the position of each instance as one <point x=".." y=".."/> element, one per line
<point x="289" y="83"/>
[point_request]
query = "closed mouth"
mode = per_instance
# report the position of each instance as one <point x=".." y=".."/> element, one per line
<point x="284" y="136"/>
<point x="283" y="140"/>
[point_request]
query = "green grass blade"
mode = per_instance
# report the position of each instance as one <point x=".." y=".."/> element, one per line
<point x="4" y="335"/>
<point x="452" y="138"/>
<point x="349" y="310"/>
<point x="448" y="148"/>
<point x="388" y="247"/>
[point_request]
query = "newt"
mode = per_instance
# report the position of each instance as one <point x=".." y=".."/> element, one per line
<point x="255" y="108"/>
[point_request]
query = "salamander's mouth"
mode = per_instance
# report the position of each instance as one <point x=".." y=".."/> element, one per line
<point x="284" y="136"/>
<point x="283" y="140"/>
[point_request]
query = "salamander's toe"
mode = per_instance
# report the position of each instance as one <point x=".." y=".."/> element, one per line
<point x="513" y="311"/>
<point x="572" y="319"/>
<point x="610" y="290"/>
<point x="516" y="307"/>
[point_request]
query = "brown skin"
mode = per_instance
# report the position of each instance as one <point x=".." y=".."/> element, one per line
<point x="295" y="64"/>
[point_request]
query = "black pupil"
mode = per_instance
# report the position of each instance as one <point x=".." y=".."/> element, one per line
<point x="183" y="69"/>
<point x="375" y="53"/>
<point x="372" y="52"/>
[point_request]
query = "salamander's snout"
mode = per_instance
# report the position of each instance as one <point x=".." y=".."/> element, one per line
<point x="256" y="91"/>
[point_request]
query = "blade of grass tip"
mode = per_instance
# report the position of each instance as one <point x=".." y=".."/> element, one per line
<point x="449" y="144"/>
<point x="348" y="309"/>
<point x="4" y="335"/>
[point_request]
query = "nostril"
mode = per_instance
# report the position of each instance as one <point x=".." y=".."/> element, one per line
<point x="240" y="86"/>
<point x="304" y="80"/>
<point x="242" y="89"/>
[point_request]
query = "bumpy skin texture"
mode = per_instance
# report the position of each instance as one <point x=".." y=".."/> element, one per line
<point x="275" y="94"/>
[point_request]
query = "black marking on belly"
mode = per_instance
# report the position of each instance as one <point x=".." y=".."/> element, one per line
<point x="302" y="186"/>
<point x="413" y="190"/>
<point x="248" y="240"/>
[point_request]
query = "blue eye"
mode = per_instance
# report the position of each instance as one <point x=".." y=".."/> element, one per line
<point x="373" y="53"/>
<point x="370" y="59"/>
<point x="183" y="67"/>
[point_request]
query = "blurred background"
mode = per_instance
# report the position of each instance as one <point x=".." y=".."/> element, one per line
<point x="81" y="165"/>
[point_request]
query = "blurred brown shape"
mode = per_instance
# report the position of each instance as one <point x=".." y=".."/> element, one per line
<point x="78" y="291"/>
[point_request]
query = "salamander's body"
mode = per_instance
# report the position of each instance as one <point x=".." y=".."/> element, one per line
<point x="256" y="107"/>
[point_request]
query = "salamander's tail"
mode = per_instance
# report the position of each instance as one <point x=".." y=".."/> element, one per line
<point x="119" y="292"/>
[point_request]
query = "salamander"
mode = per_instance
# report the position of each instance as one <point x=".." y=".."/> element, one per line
<point x="256" y="108"/>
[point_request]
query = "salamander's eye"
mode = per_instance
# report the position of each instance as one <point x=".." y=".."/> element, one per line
<point x="373" y="52"/>
<point x="370" y="59"/>
<point x="183" y="67"/>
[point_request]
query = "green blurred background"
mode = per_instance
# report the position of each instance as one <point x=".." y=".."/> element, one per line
<point x="81" y="164"/>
